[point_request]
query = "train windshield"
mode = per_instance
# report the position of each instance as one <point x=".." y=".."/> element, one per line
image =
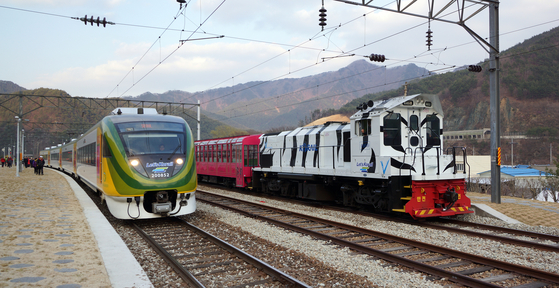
<point x="140" y="138"/>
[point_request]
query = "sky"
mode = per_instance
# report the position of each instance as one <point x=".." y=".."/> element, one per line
<point x="42" y="46"/>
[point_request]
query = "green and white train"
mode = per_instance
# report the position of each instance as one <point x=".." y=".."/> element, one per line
<point x="140" y="163"/>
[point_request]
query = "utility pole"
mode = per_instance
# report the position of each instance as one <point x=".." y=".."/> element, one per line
<point x="494" y="70"/>
<point x="443" y="14"/>
<point x="198" y="121"/>
<point x="512" y="152"/>
<point x="16" y="159"/>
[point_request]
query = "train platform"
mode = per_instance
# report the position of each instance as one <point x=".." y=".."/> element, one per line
<point x="514" y="210"/>
<point x="53" y="235"/>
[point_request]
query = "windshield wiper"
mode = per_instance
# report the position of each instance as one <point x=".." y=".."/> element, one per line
<point x="175" y="151"/>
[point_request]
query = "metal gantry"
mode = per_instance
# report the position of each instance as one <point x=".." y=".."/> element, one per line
<point x="465" y="10"/>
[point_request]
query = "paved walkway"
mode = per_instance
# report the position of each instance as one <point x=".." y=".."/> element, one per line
<point x="50" y="236"/>
<point x="480" y="198"/>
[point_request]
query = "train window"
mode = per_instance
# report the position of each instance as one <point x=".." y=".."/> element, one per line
<point x="214" y="153"/>
<point x="251" y="155"/>
<point x="363" y="127"/>
<point x="152" y="137"/>
<point x="414" y="123"/>
<point x="106" y="150"/>
<point x="433" y="127"/>
<point x="392" y="129"/>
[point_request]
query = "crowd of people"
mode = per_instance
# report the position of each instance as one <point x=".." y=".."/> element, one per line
<point x="36" y="163"/>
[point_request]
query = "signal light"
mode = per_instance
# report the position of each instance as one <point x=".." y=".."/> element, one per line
<point x="377" y="58"/>
<point x="322" y="15"/>
<point x="474" y="68"/>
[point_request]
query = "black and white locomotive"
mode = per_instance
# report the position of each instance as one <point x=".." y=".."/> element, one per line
<point x="389" y="157"/>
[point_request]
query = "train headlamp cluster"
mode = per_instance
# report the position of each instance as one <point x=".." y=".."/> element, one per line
<point x="136" y="163"/>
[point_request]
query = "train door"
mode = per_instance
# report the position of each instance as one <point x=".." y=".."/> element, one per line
<point x="362" y="152"/>
<point x="238" y="163"/>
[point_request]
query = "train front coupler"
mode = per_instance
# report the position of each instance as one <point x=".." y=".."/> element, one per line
<point x="450" y="196"/>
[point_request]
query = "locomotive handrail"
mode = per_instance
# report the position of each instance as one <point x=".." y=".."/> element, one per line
<point x="438" y="161"/>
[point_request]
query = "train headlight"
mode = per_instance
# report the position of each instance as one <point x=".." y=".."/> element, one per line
<point x="138" y="167"/>
<point x="178" y="165"/>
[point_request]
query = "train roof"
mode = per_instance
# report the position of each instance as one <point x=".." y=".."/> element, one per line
<point x="233" y="139"/>
<point x="144" y="117"/>
<point x="417" y="100"/>
<point x="133" y="111"/>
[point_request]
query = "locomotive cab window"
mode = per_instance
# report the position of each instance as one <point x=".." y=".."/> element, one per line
<point x="392" y="129"/>
<point x="433" y="127"/>
<point x="363" y="127"/>
<point x="141" y="138"/>
<point x="414" y="123"/>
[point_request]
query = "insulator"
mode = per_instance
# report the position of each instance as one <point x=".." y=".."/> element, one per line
<point x="104" y="22"/>
<point x="322" y="19"/>
<point x="474" y="68"/>
<point x="429" y="41"/>
<point x="181" y="2"/>
<point x="377" y="58"/>
<point x="97" y="21"/>
<point x="91" y="21"/>
<point x="85" y="19"/>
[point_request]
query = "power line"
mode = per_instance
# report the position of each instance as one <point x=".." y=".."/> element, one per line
<point x="181" y="43"/>
<point x="358" y="90"/>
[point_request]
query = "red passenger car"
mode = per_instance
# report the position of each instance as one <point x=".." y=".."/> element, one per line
<point x="227" y="161"/>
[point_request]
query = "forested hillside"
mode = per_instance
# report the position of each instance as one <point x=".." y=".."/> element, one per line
<point x="529" y="99"/>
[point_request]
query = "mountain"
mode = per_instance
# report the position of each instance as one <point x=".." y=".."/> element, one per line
<point x="10" y="87"/>
<point x="285" y="102"/>
<point x="529" y="100"/>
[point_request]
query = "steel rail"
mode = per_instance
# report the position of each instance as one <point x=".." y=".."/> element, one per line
<point x="502" y="229"/>
<point x="543" y="275"/>
<point x="184" y="274"/>
<point x="270" y="270"/>
<point x="503" y="239"/>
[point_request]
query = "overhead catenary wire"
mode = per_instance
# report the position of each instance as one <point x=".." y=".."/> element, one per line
<point x="240" y="38"/>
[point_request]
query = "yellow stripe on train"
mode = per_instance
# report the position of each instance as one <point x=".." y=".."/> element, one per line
<point x="461" y="209"/>
<point x="422" y="212"/>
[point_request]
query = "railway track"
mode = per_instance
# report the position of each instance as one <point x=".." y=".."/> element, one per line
<point x="501" y="234"/>
<point x="203" y="260"/>
<point x="459" y="267"/>
<point x="544" y="242"/>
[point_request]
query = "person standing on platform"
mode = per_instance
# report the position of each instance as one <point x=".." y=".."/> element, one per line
<point x="3" y="161"/>
<point x="40" y="164"/>
<point x="34" y="165"/>
<point x="10" y="161"/>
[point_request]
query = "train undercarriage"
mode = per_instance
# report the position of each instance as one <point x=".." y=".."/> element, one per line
<point x="397" y="194"/>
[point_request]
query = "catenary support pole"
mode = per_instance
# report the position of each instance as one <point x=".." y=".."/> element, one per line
<point x="494" y="102"/>
<point x="198" y="124"/>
